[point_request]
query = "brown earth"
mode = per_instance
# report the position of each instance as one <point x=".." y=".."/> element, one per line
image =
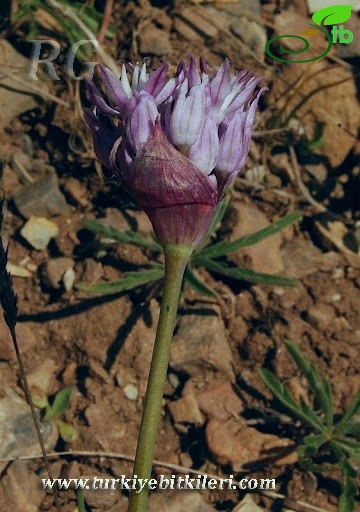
<point x="218" y="416"/>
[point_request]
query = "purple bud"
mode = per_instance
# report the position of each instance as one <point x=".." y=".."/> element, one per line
<point x="141" y="122"/>
<point x="177" y="143"/>
<point x="178" y="198"/>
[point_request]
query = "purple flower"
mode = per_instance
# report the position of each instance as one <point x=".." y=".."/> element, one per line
<point x="175" y="144"/>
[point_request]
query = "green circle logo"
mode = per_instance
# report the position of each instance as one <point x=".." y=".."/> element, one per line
<point x="297" y="52"/>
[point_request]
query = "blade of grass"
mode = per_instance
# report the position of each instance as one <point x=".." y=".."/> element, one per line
<point x="130" y="281"/>
<point x="243" y="274"/>
<point x="127" y="237"/>
<point x="223" y="248"/>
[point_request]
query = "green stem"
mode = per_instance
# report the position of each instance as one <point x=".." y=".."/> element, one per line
<point x="176" y="258"/>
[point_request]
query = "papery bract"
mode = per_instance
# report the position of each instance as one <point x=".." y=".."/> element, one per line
<point x="175" y="144"/>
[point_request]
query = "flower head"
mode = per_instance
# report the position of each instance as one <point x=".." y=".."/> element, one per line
<point x="175" y="144"/>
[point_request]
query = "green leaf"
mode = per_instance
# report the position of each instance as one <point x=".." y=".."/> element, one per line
<point x="285" y="397"/>
<point x="332" y="15"/>
<point x="311" y="415"/>
<point x="350" y="413"/>
<point x="67" y="432"/>
<point x="195" y="283"/>
<point x="61" y="401"/>
<point x="39" y="397"/>
<point x="321" y="388"/>
<point x="242" y="274"/>
<point x="129" y="281"/>
<point x="127" y="237"/>
<point x="223" y="248"/>
<point x="346" y="444"/>
<point x="349" y="490"/>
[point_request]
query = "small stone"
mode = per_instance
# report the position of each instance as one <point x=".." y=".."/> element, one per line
<point x="42" y="375"/>
<point x="68" y="279"/>
<point x="38" y="232"/>
<point x="196" y="17"/>
<point x="100" y="498"/>
<point x="17" y="434"/>
<point x="234" y="443"/>
<point x="180" y="501"/>
<point x="247" y="220"/>
<point x="154" y="41"/>
<point x="77" y="192"/>
<point x="20" y="489"/>
<point x="25" y="336"/>
<point x="220" y="401"/>
<point x="41" y="199"/>
<point x="252" y="34"/>
<point x="195" y="350"/>
<point x="186" y="410"/>
<point x="320" y="316"/>
<point x="53" y="272"/>
<point x="131" y="392"/>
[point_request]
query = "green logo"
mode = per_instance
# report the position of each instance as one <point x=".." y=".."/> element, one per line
<point x="333" y="15"/>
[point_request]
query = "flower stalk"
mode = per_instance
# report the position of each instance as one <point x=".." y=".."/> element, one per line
<point x="176" y="258"/>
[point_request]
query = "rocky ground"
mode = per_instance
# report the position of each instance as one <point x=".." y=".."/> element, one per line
<point x="218" y="416"/>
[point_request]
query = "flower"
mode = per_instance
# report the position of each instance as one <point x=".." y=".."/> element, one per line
<point x="175" y="144"/>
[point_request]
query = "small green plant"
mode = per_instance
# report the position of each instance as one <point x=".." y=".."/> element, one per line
<point x="211" y="257"/>
<point x="29" y="9"/>
<point x="52" y="411"/>
<point x="332" y="439"/>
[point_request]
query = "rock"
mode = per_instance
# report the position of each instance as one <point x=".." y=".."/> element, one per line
<point x="320" y="316"/>
<point x="234" y="443"/>
<point x="252" y="34"/>
<point x="15" y="96"/>
<point x="104" y="496"/>
<point x="264" y="256"/>
<point x="17" y="431"/>
<point x="69" y="279"/>
<point x="200" y="344"/>
<point x="77" y="192"/>
<point x="43" y="375"/>
<point x="20" y="489"/>
<point x="154" y="41"/>
<point x="197" y="18"/>
<point x="303" y="259"/>
<point x="25" y="336"/>
<point x="53" y="272"/>
<point x="186" y="410"/>
<point x="41" y="199"/>
<point x="131" y="392"/>
<point x="38" y="232"/>
<point x="220" y="401"/>
<point x="247" y="504"/>
<point x="178" y="501"/>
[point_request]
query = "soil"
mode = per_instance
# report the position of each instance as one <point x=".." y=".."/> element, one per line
<point x="215" y="403"/>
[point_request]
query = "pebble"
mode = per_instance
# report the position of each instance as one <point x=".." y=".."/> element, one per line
<point x="252" y="34"/>
<point x="41" y="199"/>
<point x="77" y="192"/>
<point x="248" y="220"/>
<point x="201" y="344"/>
<point x="186" y="410"/>
<point x="17" y="434"/>
<point x="38" y="231"/>
<point x="42" y="375"/>
<point x="20" y="489"/>
<point x="69" y="279"/>
<point x="234" y="443"/>
<point x="154" y="41"/>
<point x="53" y="271"/>
<point x="320" y="316"/>
<point x="131" y="392"/>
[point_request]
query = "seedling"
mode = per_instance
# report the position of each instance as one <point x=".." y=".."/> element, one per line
<point x="52" y="411"/>
<point x="211" y="257"/>
<point x="330" y="438"/>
